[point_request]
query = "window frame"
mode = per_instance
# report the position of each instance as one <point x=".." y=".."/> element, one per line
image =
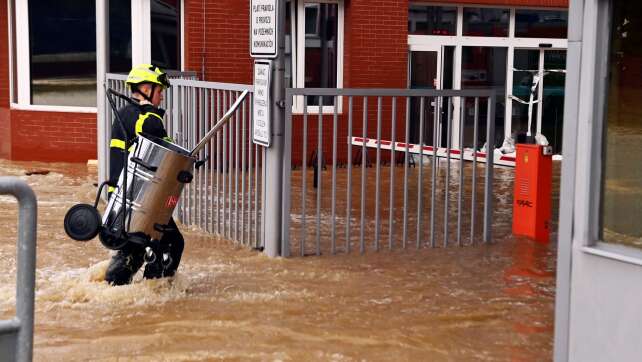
<point x="590" y="159"/>
<point x="511" y="42"/>
<point x="298" y="56"/>
<point x="19" y="54"/>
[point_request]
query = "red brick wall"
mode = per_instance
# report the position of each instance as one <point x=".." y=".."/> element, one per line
<point x="217" y="40"/>
<point x="53" y="136"/>
<point x="375" y="56"/>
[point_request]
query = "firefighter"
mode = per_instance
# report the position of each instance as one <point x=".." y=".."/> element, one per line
<point x="143" y="115"/>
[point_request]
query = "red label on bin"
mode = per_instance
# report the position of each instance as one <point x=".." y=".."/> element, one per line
<point x="171" y="201"/>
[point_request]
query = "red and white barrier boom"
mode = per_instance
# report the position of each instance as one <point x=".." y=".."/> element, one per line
<point x="498" y="158"/>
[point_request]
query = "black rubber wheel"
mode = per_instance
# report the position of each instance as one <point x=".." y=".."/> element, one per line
<point x="82" y="222"/>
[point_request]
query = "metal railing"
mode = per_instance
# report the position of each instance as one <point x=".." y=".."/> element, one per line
<point x="16" y="335"/>
<point x="226" y="195"/>
<point x="317" y="209"/>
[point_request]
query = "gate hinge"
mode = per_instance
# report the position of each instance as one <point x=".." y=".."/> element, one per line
<point x="281" y="103"/>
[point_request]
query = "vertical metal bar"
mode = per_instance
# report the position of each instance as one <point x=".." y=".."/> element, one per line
<point x="319" y="173"/>
<point x="488" y="182"/>
<point x="304" y="167"/>
<point x="224" y="156"/>
<point x="202" y="197"/>
<point x="473" y="205"/>
<point x="257" y="241"/>
<point x="230" y="164"/>
<point x="287" y="177"/>
<point x="263" y="191"/>
<point x="236" y="172"/>
<point x="364" y="153"/>
<point x="250" y="144"/>
<point x="349" y="188"/>
<point x="392" y="172"/>
<point x="193" y="128"/>
<point x="449" y="121"/>
<point x="378" y="174"/>
<point x="210" y="194"/>
<point x="433" y="190"/>
<point x="404" y="240"/>
<point x="460" y="195"/>
<point x="26" y="263"/>
<point x="334" y="176"/>
<point x="243" y="170"/>
<point x="219" y="166"/>
<point x="183" y="137"/>
<point x="420" y="181"/>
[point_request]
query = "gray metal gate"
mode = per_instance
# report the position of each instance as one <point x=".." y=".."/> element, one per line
<point x="320" y="202"/>
<point x="226" y="195"/>
<point x="16" y="335"/>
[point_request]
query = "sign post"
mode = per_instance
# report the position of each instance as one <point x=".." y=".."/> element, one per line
<point x="267" y="41"/>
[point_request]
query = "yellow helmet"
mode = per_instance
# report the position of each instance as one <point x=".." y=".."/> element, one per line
<point x="147" y="73"/>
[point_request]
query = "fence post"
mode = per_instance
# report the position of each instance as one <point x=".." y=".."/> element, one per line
<point x="26" y="262"/>
<point x="272" y="208"/>
<point x="102" y="65"/>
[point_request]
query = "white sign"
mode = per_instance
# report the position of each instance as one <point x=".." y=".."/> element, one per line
<point x="263" y="29"/>
<point x="262" y="107"/>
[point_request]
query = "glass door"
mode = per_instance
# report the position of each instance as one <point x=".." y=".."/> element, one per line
<point x="538" y="94"/>
<point x="425" y="73"/>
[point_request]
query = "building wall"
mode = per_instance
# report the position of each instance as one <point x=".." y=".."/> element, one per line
<point x="217" y="40"/>
<point x="38" y="135"/>
<point x="216" y="46"/>
<point x="605" y="309"/>
<point x="53" y="136"/>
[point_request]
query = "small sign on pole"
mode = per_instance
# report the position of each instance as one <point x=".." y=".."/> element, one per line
<point x="263" y="29"/>
<point x="262" y="106"/>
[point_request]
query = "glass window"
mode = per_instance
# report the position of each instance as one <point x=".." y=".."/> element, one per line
<point x="63" y="52"/>
<point x="541" y="24"/>
<point x="484" y="68"/>
<point x="432" y="20"/>
<point x="165" y="24"/>
<point x="321" y="44"/>
<point x="486" y="22"/>
<point x="553" y="103"/>
<point x="526" y="67"/>
<point x="120" y="36"/>
<point x="622" y="173"/>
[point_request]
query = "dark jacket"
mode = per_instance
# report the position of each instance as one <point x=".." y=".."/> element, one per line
<point x="137" y="119"/>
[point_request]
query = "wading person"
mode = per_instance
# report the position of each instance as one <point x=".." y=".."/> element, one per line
<point x="143" y="115"/>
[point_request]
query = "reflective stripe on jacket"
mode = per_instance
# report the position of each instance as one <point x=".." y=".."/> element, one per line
<point x="137" y="119"/>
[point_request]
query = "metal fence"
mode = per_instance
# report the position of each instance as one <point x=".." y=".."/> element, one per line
<point x="428" y="202"/>
<point x="226" y="195"/>
<point x="16" y="335"/>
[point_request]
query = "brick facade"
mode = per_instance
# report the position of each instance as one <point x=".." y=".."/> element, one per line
<point x="216" y="47"/>
<point x="53" y="136"/>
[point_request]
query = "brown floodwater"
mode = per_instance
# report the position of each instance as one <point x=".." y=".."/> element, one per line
<point x="483" y="302"/>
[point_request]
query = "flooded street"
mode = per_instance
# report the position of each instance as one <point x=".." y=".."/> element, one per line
<point x="483" y="302"/>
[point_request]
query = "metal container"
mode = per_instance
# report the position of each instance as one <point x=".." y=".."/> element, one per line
<point x="157" y="171"/>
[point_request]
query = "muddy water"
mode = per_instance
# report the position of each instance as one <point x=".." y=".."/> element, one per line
<point x="487" y="302"/>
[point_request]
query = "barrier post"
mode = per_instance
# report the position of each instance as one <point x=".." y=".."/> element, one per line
<point x="532" y="192"/>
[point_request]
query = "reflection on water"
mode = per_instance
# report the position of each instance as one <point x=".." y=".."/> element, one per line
<point x="487" y="302"/>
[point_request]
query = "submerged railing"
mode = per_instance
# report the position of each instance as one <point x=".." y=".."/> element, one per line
<point x="16" y="335"/>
